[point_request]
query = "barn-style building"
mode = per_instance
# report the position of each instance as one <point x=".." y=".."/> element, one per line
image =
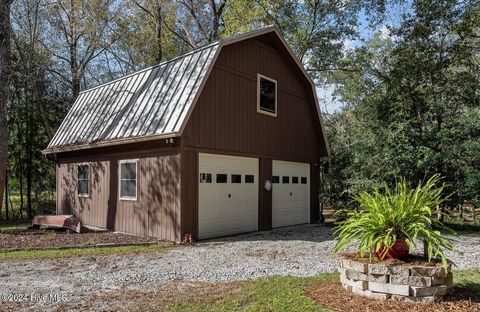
<point x="225" y="139"/>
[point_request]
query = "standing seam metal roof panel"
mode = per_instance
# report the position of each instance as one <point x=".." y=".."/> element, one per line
<point x="148" y="102"/>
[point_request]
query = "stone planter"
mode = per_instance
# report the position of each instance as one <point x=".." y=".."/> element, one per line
<point x="414" y="282"/>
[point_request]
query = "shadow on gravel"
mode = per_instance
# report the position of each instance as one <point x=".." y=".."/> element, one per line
<point x="306" y="232"/>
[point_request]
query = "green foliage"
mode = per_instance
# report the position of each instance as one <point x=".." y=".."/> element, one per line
<point x="402" y="213"/>
<point x="411" y="97"/>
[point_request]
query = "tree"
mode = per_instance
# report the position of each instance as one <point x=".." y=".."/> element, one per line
<point x="202" y="20"/>
<point x="414" y="95"/>
<point x="4" y="91"/>
<point x="145" y="34"/>
<point x="77" y="35"/>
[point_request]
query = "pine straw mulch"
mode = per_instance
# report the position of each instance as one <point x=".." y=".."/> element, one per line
<point x="333" y="296"/>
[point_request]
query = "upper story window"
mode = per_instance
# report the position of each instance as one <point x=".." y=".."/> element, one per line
<point x="83" y="180"/>
<point x="266" y="95"/>
<point x="128" y="179"/>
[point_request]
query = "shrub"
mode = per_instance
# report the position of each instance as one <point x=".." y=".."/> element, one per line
<point x="400" y="213"/>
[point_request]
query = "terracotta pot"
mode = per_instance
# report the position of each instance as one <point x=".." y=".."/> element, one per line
<point x="399" y="250"/>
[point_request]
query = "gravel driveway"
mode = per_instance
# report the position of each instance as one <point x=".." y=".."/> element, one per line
<point x="301" y="251"/>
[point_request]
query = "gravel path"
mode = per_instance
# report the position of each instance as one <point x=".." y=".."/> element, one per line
<point x="300" y="251"/>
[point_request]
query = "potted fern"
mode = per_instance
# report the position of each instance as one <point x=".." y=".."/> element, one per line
<point x="389" y="223"/>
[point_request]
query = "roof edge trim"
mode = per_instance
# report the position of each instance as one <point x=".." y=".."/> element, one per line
<point x="71" y="148"/>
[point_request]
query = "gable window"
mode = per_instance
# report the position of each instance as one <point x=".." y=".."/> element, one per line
<point x="128" y="179"/>
<point x="83" y="178"/>
<point x="266" y="95"/>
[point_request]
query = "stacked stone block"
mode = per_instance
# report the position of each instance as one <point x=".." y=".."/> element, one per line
<point x="387" y="280"/>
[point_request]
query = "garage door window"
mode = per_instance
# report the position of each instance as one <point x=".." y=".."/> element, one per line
<point x="249" y="178"/>
<point x="221" y="178"/>
<point x="205" y="178"/>
<point x="294" y="180"/>
<point x="267" y="95"/>
<point x="236" y="178"/>
<point x="128" y="179"/>
<point x="83" y="177"/>
<point x="276" y="179"/>
<point x="285" y="180"/>
<point x="304" y="180"/>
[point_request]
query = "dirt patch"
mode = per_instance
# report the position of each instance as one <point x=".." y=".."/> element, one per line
<point x="174" y="292"/>
<point x="333" y="296"/>
<point x="178" y="291"/>
<point x="56" y="239"/>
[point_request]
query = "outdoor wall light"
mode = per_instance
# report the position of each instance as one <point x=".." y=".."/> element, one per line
<point x="267" y="185"/>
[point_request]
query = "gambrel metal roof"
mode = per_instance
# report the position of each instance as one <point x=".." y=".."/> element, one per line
<point x="150" y="104"/>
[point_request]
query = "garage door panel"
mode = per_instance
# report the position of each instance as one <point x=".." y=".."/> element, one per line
<point x="290" y="201"/>
<point x="227" y="208"/>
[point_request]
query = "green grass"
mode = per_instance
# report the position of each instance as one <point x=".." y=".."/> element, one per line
<point x="268" y="294"/>
<point x="467" y="279"/>
<point x="9" y="227"/>
<point x="287" y="294"/>
<point x="6" y="255"/>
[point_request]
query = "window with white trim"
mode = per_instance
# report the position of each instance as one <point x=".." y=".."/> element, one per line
<point x="266" y="95"/>
<point x="128" y="179"/>
<point x="83" y="180"/>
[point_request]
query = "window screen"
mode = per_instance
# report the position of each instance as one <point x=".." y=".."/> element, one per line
<point x="128" y="180"/>
<point x="236" y="178"/>
<point x="285" y="179"/>
<point x="83" y="177"/>
<point x="221" y="178"/>
<point x="249" y="178"/>
<point x="267" y="95"/>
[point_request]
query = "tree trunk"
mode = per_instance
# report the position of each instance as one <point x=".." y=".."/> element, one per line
<point x="159" y="34"/>
<point x="4" y="90"/>
<point x="29" y="163"/>
<point x="20" y="187"/>
<point x="6" y="196"/>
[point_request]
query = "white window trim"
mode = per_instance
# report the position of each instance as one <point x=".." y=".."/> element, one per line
<point x="127" y="161"/>
<point x="89" y="178"/>
<point x="259" y="110"/>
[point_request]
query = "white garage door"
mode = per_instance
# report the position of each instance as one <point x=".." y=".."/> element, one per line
<point x="290" y="193"/>
<point x="228" y="195"/>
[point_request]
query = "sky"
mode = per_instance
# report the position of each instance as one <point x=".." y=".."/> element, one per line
<point x="393" y="17"/>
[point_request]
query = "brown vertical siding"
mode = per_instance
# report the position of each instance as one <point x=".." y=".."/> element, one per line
<point x="190" y="193"/>
<point x="265" y="197"/>
<point x="314" y="187"/>
<point x="90" y="210"/>
<point x="225" y="117"/>
<point x="225" y="121"/>
<point x="157" y="209"/>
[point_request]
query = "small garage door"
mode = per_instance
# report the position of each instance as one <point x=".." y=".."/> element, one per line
<point x="290" y="193"/>
<point x="228" y="195"/>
